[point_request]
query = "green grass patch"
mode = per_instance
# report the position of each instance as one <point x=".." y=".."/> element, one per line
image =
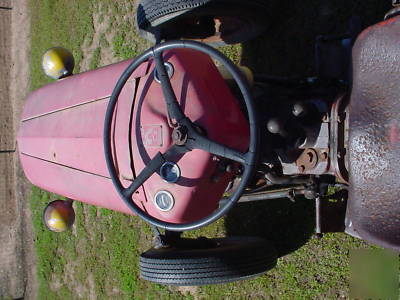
<point x="100" y="256"/>
<point x="58" y="23"/>
<point x="94" y="62"/>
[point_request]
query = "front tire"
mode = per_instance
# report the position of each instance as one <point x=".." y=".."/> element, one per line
<point x="221" y="261"/>
<point x="216" y="22"/>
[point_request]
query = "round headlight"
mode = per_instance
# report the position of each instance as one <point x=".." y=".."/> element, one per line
<point x="59" y="215"/>
<point x="58" y="62"/>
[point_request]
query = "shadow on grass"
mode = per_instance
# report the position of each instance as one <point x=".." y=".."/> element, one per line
<point x="286" y="224"/>
<point x="287" y="49"/>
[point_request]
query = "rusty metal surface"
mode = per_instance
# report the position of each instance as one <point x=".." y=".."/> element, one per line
<point x="308" y="160"/>
<point x="314" y="158"/>
<point x="337" y="139"/>
<point x="374" y="201"/>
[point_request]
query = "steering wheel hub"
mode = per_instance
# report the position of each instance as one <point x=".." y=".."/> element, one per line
<point x="180" y="135"/>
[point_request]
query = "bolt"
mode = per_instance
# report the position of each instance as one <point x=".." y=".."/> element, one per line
<point x="274" y="126"/>
<point x="324" y="155"/>
<point x="230" y="168"/>
<point x="179" y="135"/>
<point x="269" y="164"/>
<point x="310" y="156"/>
<point x="310" y="194"/>
<point x="291" y="195"/>
<point x="298" y="109"/>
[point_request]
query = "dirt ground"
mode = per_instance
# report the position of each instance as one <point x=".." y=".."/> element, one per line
<point x="17" y="273"/>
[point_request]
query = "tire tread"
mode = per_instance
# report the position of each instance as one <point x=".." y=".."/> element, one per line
<point x="237" y="259"/>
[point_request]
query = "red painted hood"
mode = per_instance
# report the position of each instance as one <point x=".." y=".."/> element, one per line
<point x="61" y="135"/>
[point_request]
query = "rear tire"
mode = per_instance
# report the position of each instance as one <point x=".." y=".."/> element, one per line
<point x="226" y="260"/>
<point x="216" y="22"/>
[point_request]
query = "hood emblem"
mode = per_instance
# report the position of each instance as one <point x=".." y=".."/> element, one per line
<point x="152" y="136"/>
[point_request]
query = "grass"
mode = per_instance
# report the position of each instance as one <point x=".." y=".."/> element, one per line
<point x="99" y="258"/>
<point x="95" y="61"/>
<point x="61" y="23"/>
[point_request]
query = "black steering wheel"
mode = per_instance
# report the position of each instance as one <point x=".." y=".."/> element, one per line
<point x="185" y="136"/>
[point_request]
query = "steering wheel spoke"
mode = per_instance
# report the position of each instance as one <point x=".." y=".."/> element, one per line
<point x="204" y="143"/>
<point x="152" y="167"/>
<point x="174" y="110"/>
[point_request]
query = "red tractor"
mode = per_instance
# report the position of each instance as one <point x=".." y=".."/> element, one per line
<point x="179" y="135"/>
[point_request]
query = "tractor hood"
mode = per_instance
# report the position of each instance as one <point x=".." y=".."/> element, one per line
<point x="61" y="135"/>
